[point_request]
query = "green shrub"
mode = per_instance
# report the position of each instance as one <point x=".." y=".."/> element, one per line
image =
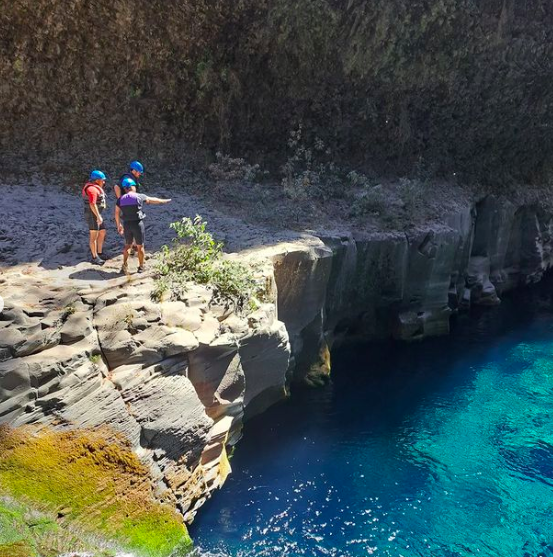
<point x="412" y="194"/>
<point x="227" y="169"/>
<point x="95" y="358"/>
<point x="197" y="257"/>
<point x="309" y="173"/>
<point x="373" y="200"/>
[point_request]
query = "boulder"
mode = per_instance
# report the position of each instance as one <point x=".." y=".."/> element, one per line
<point x="209" y="329"/>
<point x="168" y="341"/>
<point x="482" y="290"/>
<point x="10" y="337"/>
<point x="15" y="389"/>
<point x="77" y="327"/>
<point x="180" y="342"/>
<point x="264" y="357"/>
<point x="40" y="341"/>
<point x="216" y="374"/>
<point x="178" y="314"/>
<point x="118" y="347"/>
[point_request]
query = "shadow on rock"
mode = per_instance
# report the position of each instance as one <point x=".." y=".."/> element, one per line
<point x="95" y="274"/>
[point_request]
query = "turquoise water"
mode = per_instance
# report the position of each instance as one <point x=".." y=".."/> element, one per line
<point x="444" y="448"/>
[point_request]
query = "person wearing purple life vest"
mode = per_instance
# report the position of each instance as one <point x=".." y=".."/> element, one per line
<point x="129" y="218"/>
<point x="135" y="172"/>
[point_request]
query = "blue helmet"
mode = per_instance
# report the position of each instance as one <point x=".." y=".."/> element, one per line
<point x="127" y="183"/>
<point x="97" y="175"/>
<point x="135" y="165"/>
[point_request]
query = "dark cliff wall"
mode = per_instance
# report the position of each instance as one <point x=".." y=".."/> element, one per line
<point x="462" y="84"/>
<point x="406" y="286"/>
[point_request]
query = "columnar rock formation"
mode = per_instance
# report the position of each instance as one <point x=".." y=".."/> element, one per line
<point x="177" y="378"/>
<point x="405" y="285"/>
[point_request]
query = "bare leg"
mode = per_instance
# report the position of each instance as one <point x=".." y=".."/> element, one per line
<point x="126" y="254"/>
<point x="100" y="240"/>
<point x="92" y="243"/>
<point x="140" y="255"/>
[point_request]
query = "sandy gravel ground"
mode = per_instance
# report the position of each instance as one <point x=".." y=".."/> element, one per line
<point x="44" y="227"/>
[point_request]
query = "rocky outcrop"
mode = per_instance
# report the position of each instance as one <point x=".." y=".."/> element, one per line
<point x="172" y="378"/>
<point x="404" y="285"/>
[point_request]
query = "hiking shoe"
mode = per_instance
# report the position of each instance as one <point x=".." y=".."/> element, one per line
<point x="140" y="270"/>
<point x="103" y="256"/>
<point x="96" y="261"/>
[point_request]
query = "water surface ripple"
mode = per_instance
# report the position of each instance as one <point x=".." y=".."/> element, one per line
<point x="442" y="448"/>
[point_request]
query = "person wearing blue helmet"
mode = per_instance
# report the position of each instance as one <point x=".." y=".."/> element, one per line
<point x="129" y="218"/>
<point x="94" y="199"/>
<point x="134" y="173"/>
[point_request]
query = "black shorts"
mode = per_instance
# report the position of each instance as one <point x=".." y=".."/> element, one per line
<point x="134" y="232"/>
<point x="91" y="221"/>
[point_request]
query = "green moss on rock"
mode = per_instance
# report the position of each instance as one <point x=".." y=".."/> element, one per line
<point x="87" y="480"/>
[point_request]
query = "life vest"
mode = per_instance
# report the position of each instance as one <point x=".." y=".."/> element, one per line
<point x="130" y="205"/>
<point x="101" y="203"/>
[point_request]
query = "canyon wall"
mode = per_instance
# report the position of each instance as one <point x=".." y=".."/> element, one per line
<point x="173" y="379"/>
<point x="461" y="85"/>
<point x="405" y="285"/>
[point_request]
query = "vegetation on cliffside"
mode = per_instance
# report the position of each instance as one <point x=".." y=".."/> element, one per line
<point x="74" y="488"/>
<point x="458" y="86"/>
<point x="196" y="257"/>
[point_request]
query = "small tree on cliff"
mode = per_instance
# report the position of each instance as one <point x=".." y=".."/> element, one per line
<point x="196" y="257"/>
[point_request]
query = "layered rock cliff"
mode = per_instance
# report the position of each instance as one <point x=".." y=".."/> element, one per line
<point x="405" y="285"/>
<point x="176" y="379"/>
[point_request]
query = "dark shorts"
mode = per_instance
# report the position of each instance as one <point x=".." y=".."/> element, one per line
<point x="91" y="221"/>
<point x="134" y="232"/>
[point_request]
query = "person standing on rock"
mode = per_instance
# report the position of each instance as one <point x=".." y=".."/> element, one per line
<point x="129" y="219"/>
<point x="94" y="199"/>
<point x="135" y="172"/>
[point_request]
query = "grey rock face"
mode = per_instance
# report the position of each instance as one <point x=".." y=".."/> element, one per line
<point x="172" y="419"/>
<point x="482" y="291"/>
<point x="168" y="377"/>
<point x="216" y="373"/>
<point x="77" y="327"/>
<point x="512" y="246"/>
<point x="408" y="285"/>
<point x="264" y="356"/>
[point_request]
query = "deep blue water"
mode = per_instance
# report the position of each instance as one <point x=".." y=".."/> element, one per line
<point x="442" y="448"/>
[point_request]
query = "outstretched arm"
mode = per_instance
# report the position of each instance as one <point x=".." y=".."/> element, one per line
<point x="157" y="201"/>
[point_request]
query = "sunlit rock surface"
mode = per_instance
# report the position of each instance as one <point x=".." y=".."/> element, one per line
<point x="172" y="378"/>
